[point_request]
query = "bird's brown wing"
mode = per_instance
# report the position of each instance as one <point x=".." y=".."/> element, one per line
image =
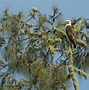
<point x="71" y="35"/>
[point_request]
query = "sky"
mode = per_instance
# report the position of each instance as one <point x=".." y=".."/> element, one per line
<point x="69" y="8"/>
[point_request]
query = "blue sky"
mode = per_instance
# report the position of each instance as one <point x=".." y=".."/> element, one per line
<point x="69" y="8"/>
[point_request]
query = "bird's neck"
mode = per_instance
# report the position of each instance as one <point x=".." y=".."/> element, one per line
<point x="68" y="25"/>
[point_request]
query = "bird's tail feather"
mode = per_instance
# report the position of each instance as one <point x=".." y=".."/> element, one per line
<point x="75" y="46"/>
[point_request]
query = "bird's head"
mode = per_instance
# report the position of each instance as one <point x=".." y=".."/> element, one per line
<point x="68" y="22"/>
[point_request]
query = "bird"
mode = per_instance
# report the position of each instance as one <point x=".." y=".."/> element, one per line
<point x="70" y="33"/>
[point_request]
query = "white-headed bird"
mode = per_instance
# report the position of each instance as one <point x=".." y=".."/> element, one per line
<point x="70" y="33"/>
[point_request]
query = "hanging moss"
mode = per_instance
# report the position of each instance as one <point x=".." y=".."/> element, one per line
<point x="82" y="43"/>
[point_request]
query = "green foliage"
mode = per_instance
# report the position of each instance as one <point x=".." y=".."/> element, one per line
<point x="82" y="43"/>
<point x="29" y="49"/>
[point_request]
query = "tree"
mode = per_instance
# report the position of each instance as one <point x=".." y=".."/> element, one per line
<point x="37" y="48"/>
